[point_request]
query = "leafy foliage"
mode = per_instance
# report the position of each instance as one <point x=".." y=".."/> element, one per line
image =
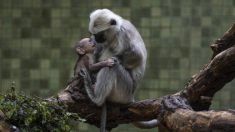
<point x="34" y="114"/>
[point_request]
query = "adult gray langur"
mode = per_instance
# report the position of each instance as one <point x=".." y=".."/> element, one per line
<point x="116" y="38"/>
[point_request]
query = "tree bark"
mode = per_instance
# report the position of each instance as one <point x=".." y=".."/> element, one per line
<point x="4" y="126"/>
<point x="207" y="121"/>
<point x="180" y="112"/>
<point x="202" y="86"/>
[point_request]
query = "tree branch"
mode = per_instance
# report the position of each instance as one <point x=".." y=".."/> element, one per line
<point x="221" y="70"/>
<point x="207" y="121"/>
<point x="175" y="112"/>
<point x="202" y="87"/>
<point x="225" y="42"/>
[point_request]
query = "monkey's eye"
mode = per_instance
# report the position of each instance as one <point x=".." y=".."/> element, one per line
<point x="113" y="22"/>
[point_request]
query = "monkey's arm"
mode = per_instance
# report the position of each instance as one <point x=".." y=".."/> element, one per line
<point x="132" y="58"/>
<point x="80" y="63"/>
<point x="97" y="66"/>
<point x="92" y="66"/>
<point x="87" y="82"/>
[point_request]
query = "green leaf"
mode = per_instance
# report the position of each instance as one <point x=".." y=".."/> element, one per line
<point x="30" y="114"/>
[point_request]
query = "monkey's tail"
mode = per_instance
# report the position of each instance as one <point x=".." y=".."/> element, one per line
<point x="146" y="124"/>
<point x="103" y="118"/>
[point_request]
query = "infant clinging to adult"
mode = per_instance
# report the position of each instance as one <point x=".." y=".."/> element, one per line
<point x="85" y="50"/>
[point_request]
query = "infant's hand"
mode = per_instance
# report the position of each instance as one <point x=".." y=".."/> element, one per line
<point x="116" y="60"/>
<point x="109" y="62"/>
<point x="84" y="73"/>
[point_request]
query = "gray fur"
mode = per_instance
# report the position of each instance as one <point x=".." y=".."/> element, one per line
<point x="127" y="45"/>
<point x="103" y="88"/>
<point x="118" y="83"/>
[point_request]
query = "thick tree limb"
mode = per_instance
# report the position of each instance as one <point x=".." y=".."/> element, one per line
<point x="176" y="112"/>
<point x="211" y="79"/>
<point x="221" y="70"/>
<point x="225" y="42"/>
<point x="207" y="121"/>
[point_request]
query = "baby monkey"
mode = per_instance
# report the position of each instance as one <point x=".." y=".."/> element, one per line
<point x="86" y="63"/>
<point x="85" y="49"/>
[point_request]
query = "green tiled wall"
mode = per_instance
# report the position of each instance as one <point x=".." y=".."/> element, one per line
<point x="37" y="36"/>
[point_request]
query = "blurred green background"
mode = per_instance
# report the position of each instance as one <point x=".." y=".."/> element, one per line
<point x="37" y="37"/>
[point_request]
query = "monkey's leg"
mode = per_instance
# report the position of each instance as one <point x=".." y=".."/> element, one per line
<point x="107" y="80"/>
<point x="90" y="91"/>
<point x="103" y="118"/>
<point x="103" y="86"/>
<point x="116" y="84"/>
<point x="97" y="94"/>
<point x="88" y="83"/>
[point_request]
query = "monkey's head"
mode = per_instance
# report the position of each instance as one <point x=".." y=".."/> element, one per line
<point x="84" y="46"/>
<point x="104" y="24"/>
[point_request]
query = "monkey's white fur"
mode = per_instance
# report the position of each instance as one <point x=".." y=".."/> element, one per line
<point x="103" y="15"/>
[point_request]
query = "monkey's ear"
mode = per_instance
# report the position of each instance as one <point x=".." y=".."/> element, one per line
<point x="113" y="22"/>
<point x="80" y="51"/>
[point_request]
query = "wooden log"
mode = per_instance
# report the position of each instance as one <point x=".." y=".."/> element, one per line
<point x="183" y="120"/>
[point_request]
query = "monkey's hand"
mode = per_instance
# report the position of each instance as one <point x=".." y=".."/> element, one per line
<point x="116" y="60"/>
<point x="109" y="62"/>
<point x="84" y="73"/>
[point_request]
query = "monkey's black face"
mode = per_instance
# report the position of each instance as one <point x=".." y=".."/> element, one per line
<point x="100" y="37"/>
